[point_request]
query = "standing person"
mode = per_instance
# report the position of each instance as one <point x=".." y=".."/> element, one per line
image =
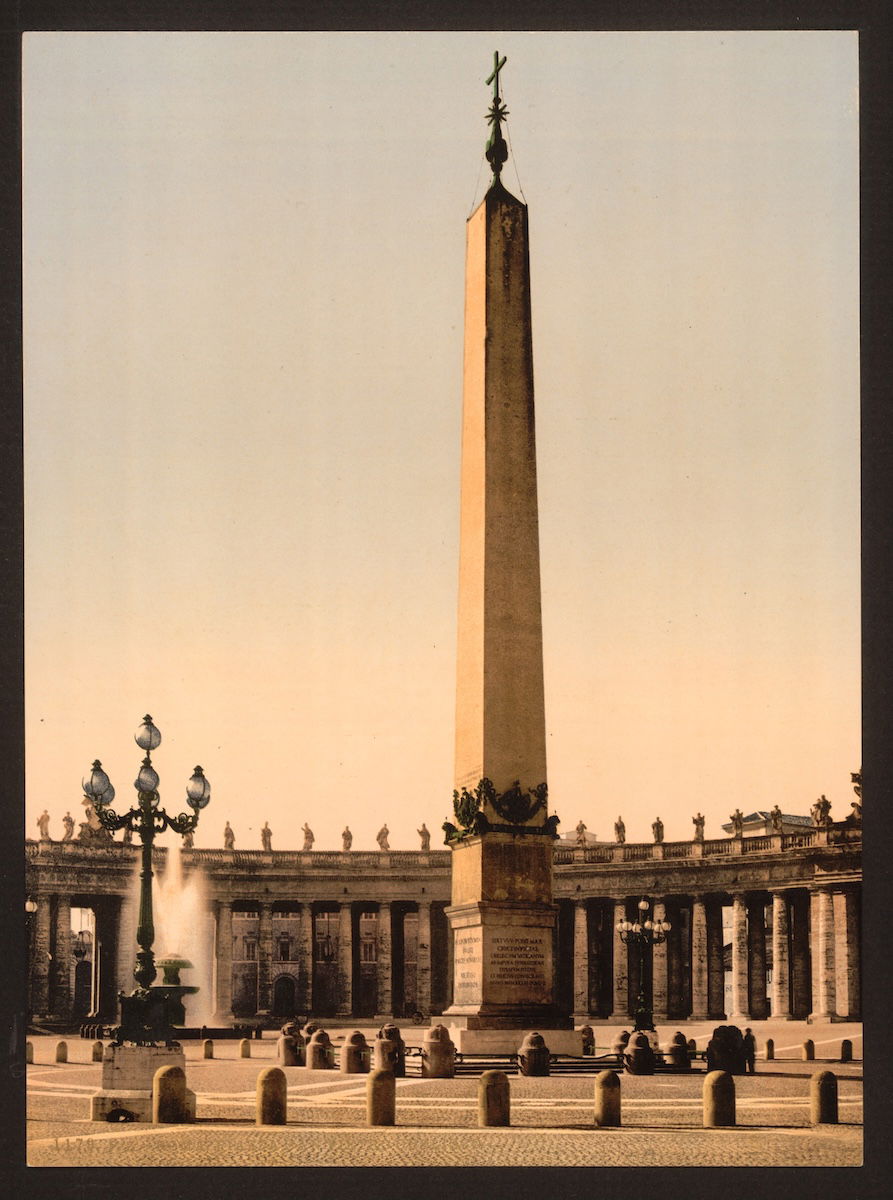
<point x="749" y="1043"/>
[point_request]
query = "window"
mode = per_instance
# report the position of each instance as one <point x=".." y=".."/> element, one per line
<point x="284" y="946"/>
<point x="250" y="945"/>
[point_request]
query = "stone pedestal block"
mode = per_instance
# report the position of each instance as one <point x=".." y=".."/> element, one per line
<point x="128" y="1073"/>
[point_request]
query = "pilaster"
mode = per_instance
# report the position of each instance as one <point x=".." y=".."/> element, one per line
<point x="621" y="966"/>
<point x="659" y="978"/>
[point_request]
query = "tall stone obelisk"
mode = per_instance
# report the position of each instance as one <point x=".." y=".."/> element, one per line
<point x="502" y="916"/>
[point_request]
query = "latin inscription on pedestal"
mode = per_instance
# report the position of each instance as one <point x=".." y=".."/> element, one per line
<point x="518" y="966"/>
<point x="468" y="973"/>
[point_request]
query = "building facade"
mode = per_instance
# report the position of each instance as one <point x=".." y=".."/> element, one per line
<point x="363" y="935"/>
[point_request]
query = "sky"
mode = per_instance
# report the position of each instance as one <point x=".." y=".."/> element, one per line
<point x="243" y="305"/>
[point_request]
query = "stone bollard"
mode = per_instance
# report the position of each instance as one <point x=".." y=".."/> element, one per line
<point x="533" y="1055"/>
<point x="245" y="1048"/>
<point x="381" y="1098"/>
<point x="770" y="1049"/>
<point x="271" y="1103"/>
<point x="620" y="1043"/>
<point x="208" y="1048"/>
<point x="320" y="1055"/>
<point x="808" y="1050"/>
<point x="823" y="1098"/>
<point x="97" y="1051"/>
<point x="639" y="1057"/>
<point x="392" y="1033"/>
<point x="62" y="1052"/>
<point x="846" y="1050"/>
<point x="29" y="1052"/>
<point x="355" y="1055"/>
<point x="607" y="1099"/>
<point x="169" y="1103"/>
<point x="588" y="1039"/>
<point x="493" y="1098"/>
<point x="384" y="1054"/>
<point x="676" y="1053"/>
<point x="286" y="1051"/>
<point x="438" y="1054"/>
<point x="719" y="1099"/>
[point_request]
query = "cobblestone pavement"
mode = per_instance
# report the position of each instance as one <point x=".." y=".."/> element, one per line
<point x="552" y="1119"/>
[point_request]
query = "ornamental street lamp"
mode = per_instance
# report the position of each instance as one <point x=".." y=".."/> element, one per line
<point x="643" y="932"/>
<point x="145" y="1013"/>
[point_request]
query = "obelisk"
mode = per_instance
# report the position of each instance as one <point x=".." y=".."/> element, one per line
<point x="502" y="917"/>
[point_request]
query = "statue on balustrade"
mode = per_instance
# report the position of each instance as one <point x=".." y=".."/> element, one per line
<point x="821" y="813"/>
<point x="68" y="822"/>
<point x="127" y="836"/>
<point x="856" y="805"/>
<point x="188" y="840"/>
<point x="737" y="819"/>
<point x="425" y="835"/>
<point x="619" y="831"/>
<point x="309" y="839"/>
<point x="581" y="834"/>
<point x="698" y="823"/>
<point x="346" y="839"/>
<point x="229" y="838"/>
<point x="657" y="830"/>
<point x="382" y="838"/>
<point x="266" y="836"/>
<point x="776" y="818"/>
<point x="43" y="824"/>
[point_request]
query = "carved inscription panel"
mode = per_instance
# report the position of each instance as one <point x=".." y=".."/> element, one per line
<point x="518" y="965"/>
<point x="467" y="967"/>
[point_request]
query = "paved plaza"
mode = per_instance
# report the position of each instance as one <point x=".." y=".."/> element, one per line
<point x="551" y="1118"/>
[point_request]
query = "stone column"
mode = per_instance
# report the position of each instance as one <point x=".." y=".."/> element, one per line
<point x="823" y="956"/>
<point x="581" y="961"/>
<point x="756" y="952"/>
<point x="846" y="954"/>
<point x="698" y="959"/>
<point x="125" y="949"/>
<point x="621" y="966"/>
<point x="224" y="960"/>
<point x="61" y="975"/>
<point x="781" y="978"/>
<point x="265" y="957"/>
<point x="659" y="979"/>
<point x="423" y="959"/>
<point x="385" y="1004"/>
<point x="800" y="969"/>
<point x="716" y="995"/>
<point x="345" y="960"/>
<point x="674" y="969"/>
<point x="304" y="992"/>
<point x="40" y="994"/>
<point x="739" y="1003"/>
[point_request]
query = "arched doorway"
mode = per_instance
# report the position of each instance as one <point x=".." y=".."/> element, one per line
<point x="284" y="996"/>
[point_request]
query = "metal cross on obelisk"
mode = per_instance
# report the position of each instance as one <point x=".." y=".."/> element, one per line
<point x="497" y="150"/>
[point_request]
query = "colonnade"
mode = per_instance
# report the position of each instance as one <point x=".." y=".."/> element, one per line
<point x="809" y="935"/>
